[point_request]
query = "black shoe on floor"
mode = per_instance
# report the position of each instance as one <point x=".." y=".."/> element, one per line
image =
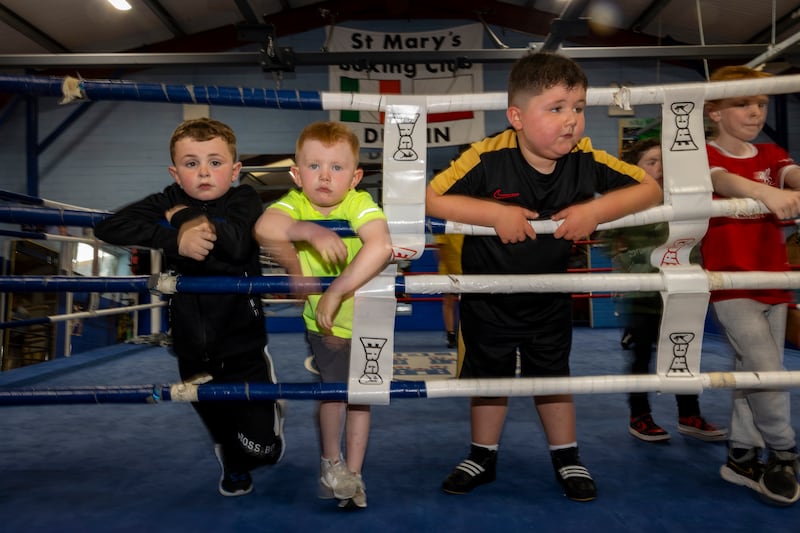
<point x="779" y="482"/>
<point x="232" y="483"/>
<point x="478" y="469"/>
<point x="452" y="340"/>
<point x="744" y="468"/>
<point x="644" y="428"/>
<point x="573" y="477"/>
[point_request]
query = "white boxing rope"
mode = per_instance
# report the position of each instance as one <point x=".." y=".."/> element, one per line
<point x="725" y="207"/>
<point x="595" y="96"/>
<point x="448" y="388"/>
<point x="585" y="283"/>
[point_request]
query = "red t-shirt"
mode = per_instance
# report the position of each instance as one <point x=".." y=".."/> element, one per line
<point x="753" y="243"/>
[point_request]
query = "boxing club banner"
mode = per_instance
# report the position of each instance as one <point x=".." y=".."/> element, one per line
<point x="437" y="77"/>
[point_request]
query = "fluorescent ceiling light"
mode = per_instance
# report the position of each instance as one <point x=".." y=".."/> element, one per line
<point x="122" y="5"/>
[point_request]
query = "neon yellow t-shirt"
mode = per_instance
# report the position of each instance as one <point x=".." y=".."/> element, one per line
<point x="357" y="209"/>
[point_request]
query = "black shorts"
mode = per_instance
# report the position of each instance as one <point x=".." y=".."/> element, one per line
<point x="541" y="335"/>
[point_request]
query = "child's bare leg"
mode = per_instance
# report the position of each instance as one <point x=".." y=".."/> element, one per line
<point x="488" y="415"/>
<point x="356" y="436"/>
<point x="557" y="413"/>
<point x="331" y="417"/>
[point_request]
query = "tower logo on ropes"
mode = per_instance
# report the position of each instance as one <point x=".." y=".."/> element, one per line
<point x="683" y="136"/>
<point x="680" y="347"/>
<point x="405" y="146"/>
<point x="372" y="351"/>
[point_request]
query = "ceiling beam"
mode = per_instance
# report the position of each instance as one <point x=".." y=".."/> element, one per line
<point x="247" y="12"/>
<point x="318" y="14"/>
<point x="782" y="25"/>
<point x="508" y="55"/>
<point x="30" y="31"/>
<point x="567" y="24"/>
<point x="165" y="17"/>
<point x="646" y="17"/>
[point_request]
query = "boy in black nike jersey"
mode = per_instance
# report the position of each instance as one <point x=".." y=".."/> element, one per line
<point x="541" y="168"/>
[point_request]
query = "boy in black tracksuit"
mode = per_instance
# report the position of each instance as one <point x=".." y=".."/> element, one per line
<point x="203" y="225"/>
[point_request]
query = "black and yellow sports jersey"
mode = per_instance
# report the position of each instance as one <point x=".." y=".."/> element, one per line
<point x="495" y="169"/>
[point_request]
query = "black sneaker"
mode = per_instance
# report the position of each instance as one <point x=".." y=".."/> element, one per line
<point x="644" y="428"/>
<point x="573" y="477"/>
<point x="452" y="340"/>
<point x="232" y="483"/>
<point x="471" y="472"/>
<point x="744" y="467"/>
<point x="779" y="482"/>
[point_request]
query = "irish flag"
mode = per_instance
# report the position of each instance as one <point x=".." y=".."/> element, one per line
<point x="360" y="85"/>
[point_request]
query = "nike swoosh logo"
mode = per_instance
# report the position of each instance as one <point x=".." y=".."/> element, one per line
<point x="500" y="195"/>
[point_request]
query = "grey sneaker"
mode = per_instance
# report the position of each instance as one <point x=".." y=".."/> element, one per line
<point x="779" y="482"/>
<point x="336" y="481"/>
<point x="359" y="499"/>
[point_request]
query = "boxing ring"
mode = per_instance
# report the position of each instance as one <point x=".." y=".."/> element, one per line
<point x="684" y="287"/>
<point x="416" y="439"/>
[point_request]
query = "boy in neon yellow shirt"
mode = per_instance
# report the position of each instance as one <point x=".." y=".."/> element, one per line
<point x="327" y="173"/>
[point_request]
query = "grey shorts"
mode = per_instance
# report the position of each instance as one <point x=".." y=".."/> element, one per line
<point x="332" y="355"/>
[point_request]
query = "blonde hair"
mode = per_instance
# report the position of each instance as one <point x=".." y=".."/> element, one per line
<point x="328" y="133"/>
<point x="203" y="129"/>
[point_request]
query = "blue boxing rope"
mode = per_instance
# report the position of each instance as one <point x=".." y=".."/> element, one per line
<point x="74" y="284"/>
<point x="16" y="214"/>
<point x="187" y="392"/>
<point x="20" y="214"/>
<point x="162" y="92"/>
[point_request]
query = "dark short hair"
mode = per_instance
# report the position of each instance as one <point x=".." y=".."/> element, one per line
<point x="633" y="153"/>
<point x="535" y="72"/>
<point x="203" y="129"/>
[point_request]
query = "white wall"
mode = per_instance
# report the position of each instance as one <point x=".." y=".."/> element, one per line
<point x="117" y="151"/>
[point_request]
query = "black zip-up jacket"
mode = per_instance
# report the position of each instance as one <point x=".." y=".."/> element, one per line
<point x="204" y="326"/>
